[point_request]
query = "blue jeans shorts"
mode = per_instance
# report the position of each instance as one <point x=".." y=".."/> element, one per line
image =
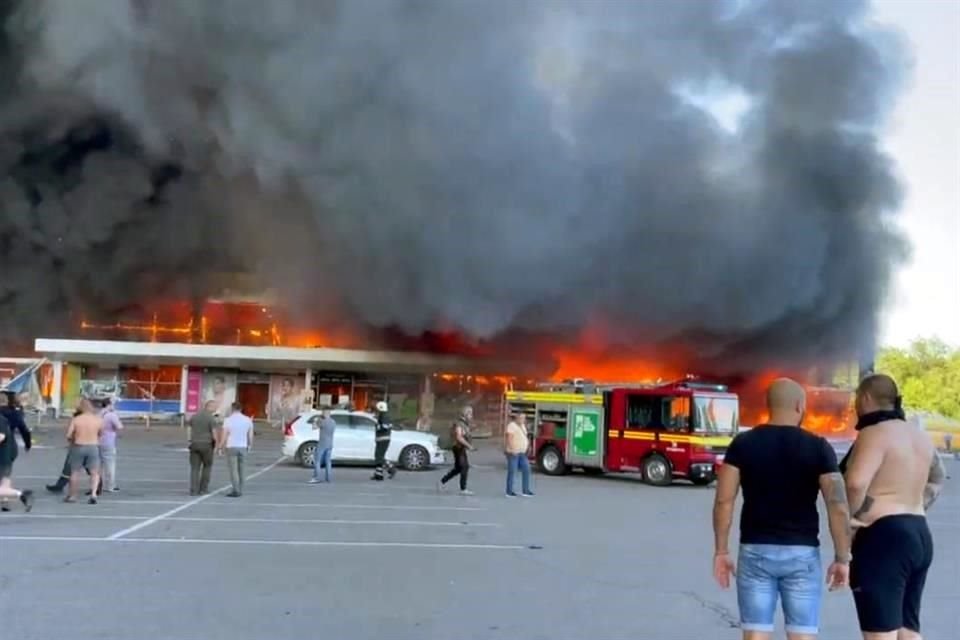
<point x="766" y="572"/>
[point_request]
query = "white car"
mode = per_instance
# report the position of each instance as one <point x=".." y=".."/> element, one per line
<point x="353" y="441"/>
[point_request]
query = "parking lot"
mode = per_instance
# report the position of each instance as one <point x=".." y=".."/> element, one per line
<point x="587" y="557"/>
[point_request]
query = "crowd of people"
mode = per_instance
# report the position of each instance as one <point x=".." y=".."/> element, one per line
<point x="95" y="427"/>
<point x="877" y="497"/>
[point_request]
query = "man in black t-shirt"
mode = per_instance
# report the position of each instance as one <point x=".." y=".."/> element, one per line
<point x="782" y="469"/>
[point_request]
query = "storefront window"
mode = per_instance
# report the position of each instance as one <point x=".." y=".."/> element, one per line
<point x="134" y="390"/>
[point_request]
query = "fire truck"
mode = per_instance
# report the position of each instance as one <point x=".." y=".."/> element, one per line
<point x="664" y="431"/>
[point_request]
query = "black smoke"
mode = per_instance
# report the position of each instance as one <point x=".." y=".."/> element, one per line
<point x="488" y="167"/>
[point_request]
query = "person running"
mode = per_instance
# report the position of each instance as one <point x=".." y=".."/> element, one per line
<point x="893" y="476"/>
<point x="461" y="445"/>
<point x="323" y="454"/>
<point x="781" y="468"/>
<point x="237" y="437"/>
<point x="204" y="436"/>
<point x="112" y="426"/>
<point x="382" y="443"/>
<point x="8" y="454"/>
<point x="14" y="416"/>
<point x="83" y="434"/>
<point x="515" y="445"/>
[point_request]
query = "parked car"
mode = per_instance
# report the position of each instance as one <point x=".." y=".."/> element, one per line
<point x="353" y="441"/>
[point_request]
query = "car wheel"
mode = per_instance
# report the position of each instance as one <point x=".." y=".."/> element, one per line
<point x="657" y="471"/>
<point x="307" y="453"/>
<point x="414" y="458"/>
<point x="551" y="461"/>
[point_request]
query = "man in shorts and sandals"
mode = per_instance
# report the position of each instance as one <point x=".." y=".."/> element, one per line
<point x="893" y="476"/>
<point x="83" y="434"/>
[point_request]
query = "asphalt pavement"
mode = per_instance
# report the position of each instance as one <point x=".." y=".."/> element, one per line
<point x="587" y="557"/>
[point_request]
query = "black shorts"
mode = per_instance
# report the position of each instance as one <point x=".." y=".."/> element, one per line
<point x="889" y="568"/>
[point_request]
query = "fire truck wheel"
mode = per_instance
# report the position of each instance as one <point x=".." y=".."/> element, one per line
<point x="657" y="471"/>
<point x="551" y="462"/>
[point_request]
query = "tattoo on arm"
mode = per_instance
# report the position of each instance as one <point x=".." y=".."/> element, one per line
<point x="864" y="508"/>
<point x="834" y="492"/>
<point x="837" y="492"/>
<point x="934" y="482"/>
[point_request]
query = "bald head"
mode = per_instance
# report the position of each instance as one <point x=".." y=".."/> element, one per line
<point x="877" y="392"/>
<point x="786" y="401"/>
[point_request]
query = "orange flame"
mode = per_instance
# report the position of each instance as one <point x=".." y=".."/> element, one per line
<point x="607" y="369"/>
<point x="829" y="411"/>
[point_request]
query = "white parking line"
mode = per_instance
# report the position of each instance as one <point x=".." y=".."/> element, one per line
<point x="412" y="523"/>
<point x="301" y="505"/>
<point x="125" y="480"/>
<point x="282" y="543"/>
<point x="321" y="505"/>
<point x="305" y="486"/>
<point x="187" y="505"/>
<point x="110" y="500"/>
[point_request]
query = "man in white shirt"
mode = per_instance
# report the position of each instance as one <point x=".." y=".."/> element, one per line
<point x="237" y="437"/>
<point x="515" y="445"/>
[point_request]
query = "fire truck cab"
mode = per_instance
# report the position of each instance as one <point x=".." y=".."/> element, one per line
<point x="666" y="431"/>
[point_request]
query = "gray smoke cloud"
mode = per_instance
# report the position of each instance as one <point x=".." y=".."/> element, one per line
<point x="675" y="173"/>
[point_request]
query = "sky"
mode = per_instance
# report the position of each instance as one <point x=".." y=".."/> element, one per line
<point x="924" y="139"/>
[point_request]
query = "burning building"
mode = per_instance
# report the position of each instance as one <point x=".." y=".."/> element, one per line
<point x="641" y="182"/>
<point x="170" y="362"/>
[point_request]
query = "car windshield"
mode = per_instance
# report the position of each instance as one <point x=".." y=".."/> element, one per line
<point x="716" y="414"/>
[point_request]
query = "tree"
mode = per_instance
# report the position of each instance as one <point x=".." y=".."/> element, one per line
<point x="928" y="373"/>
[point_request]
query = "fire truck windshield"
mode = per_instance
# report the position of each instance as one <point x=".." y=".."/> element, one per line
<point x="715" y="414"/>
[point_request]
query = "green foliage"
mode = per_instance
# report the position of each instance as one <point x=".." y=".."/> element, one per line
<point x="928" y="373"/>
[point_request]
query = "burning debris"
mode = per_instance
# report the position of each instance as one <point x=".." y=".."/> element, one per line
<point x="671" y="176"/>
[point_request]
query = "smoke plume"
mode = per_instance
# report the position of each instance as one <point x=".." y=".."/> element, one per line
<point x="655" y="173"/>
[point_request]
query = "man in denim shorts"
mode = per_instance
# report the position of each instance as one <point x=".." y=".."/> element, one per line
<point x="781" y="468"/>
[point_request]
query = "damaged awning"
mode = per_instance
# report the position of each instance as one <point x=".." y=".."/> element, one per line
<point x="110" y="352"/>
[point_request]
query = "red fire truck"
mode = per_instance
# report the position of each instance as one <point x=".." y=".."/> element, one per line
<point x="676" y="430"/>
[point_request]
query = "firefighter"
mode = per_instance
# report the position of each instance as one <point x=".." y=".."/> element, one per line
<point x="382" y="439"/>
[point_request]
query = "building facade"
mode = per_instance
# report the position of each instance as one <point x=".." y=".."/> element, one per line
<point x="166" y="380"/>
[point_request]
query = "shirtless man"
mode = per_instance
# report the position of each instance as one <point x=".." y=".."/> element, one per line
<point x="893" y="475"/>
<point x="83" y="434"/>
